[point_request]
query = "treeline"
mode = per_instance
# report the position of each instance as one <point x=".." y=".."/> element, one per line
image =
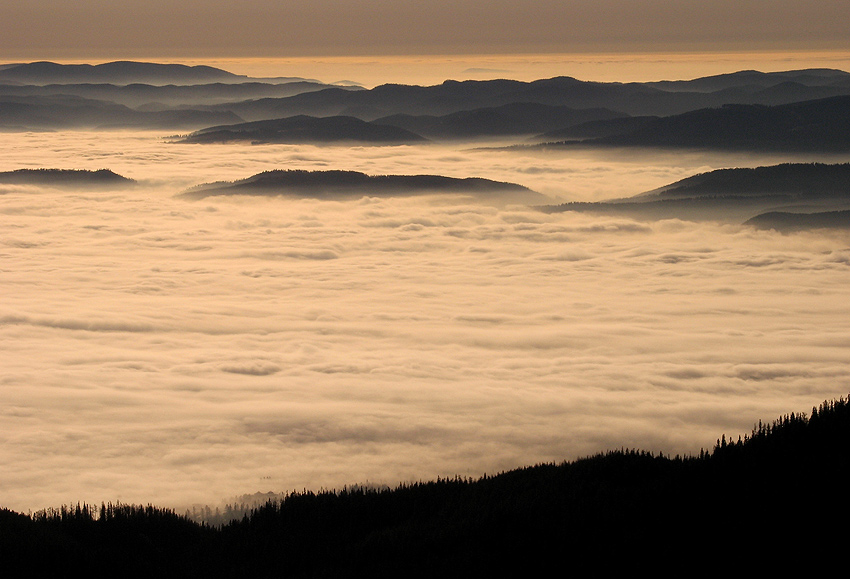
<point x="771" y="501"/>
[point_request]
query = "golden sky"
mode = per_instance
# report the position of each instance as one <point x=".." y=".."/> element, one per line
<point x="108" y="29"/>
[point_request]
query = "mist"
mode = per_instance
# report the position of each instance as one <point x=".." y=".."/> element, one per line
<point x="157" y="349"/>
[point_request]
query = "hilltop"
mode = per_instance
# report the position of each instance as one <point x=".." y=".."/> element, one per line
<point x="352" y="184"/>
<point x="66" y="178"/>
<point x="735" y="194"/>
<point x="821" y="125"/>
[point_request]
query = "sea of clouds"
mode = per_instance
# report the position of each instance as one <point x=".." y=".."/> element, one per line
<point x="156" y="349"/>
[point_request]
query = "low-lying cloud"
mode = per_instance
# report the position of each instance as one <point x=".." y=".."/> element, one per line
<point x="162" y="350"/>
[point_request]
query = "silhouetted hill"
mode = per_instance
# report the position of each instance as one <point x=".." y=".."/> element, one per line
<point x="802" y="180"/>
<point x="789" y="222"/>
<point x="72" y="112"/>
<point x="137" y="94"/>
<point x="511" y="119"/>
<point x="352" y="184"/>
<point x="735" y="194"/>
<point x="304" y="129"/>
<point x="66" y="178"/>
<point x="818" y="125"/>
<point x="771" y="501"/>
<point x="121" y="72"/>
<point x="813" y="77"/>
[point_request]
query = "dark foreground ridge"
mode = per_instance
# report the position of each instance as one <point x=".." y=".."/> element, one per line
<point x="65" y="178"/>
<point x="769" y="501"/>
<point x="736" y="194"/>
<point x="352" y="185"/>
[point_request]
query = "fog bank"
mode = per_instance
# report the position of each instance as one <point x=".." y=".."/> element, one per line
<point x="161" y="350"/>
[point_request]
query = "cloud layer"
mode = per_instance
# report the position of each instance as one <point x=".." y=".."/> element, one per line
<point x="157" y="349"/>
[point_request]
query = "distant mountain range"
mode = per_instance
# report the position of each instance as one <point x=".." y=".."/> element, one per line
<point x="66" y="178"/>
<point x="635" y="99"/>
<point x="789" y="222"/>
<point x="305" y="129"/>
<point x="560" y="108"/>
<point x="123" y="73"/>
<point x="152" y="96"/>
<point x="738" y="195"/>
<point x="352" y="184"/>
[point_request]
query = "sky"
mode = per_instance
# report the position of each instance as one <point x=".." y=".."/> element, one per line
<point x="108" y="29"/>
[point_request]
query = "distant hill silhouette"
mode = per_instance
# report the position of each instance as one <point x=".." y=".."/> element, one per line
<point x="510" y="119"/>
<point x="72" y="112"/>
<point x="138" y="94"/>
<point x="821" y="125"/>
<point x="812" y="77"/>
<point x="66" y="178"/>
<point x="353" y="184"/>
<point x="452" y="109"/>
<point x="305" y="129"/>
<point x="735" y="194"/>
<point x="764" y="503"/>
<point x="120" y="72"/>
<point x="789" y="222"/>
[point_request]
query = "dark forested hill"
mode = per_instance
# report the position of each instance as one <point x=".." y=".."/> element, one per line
<point x="736" y="194"/>
<point x="353" y="184"/>
<point x="805" y="180"/>
<point x="821" y="125"/>
<point x="772" y="501"/>
<point x="65" y="178"/>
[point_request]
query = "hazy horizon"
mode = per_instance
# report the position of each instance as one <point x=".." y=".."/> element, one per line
<point x="373" y="70"/>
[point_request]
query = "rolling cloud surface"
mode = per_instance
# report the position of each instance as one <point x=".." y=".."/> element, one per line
<point x="160" y="350"/>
